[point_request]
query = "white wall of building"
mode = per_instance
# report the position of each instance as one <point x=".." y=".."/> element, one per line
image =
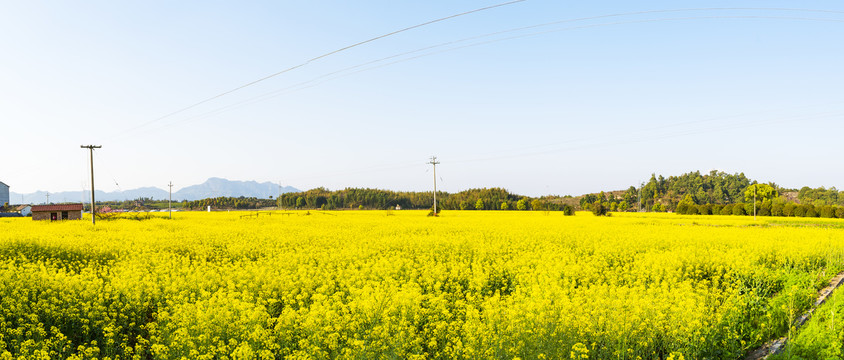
<point x="4" y="193"/>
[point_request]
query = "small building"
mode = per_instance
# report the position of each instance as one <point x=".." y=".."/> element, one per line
<point x="4" y="194"/>
<point x="57" y="212"/>
<point x="24" y="210"/>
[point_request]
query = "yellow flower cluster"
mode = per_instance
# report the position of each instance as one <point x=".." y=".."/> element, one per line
<point x="400" y="285"/>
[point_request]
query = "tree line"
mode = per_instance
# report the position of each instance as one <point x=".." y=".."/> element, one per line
<point x="715" y="192"/>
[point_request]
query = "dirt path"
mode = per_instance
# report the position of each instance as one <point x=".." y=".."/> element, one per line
<point x="777" y="345"/>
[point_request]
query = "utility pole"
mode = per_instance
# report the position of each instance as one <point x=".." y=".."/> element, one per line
<point x="48" y="198"/>
<point x="278" y="198"/>
<point x="435" y="162"/>
<point x="93" y="202"/>
<point x="639" y="199"/>
<point x="170" y="201"/>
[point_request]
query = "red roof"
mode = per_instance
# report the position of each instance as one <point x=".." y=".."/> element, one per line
<point x="63" y="207"/>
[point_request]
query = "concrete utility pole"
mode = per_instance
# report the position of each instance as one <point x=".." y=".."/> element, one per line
<point x="639" y="199"/>
<point x="93" y="202"/>
<point x="435" y="162"/>
<point x="170" y="201"/>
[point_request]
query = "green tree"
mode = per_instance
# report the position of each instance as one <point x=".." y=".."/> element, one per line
<point x="536" y="205"/>
<point x="505" y="206"/>
<point x="300" y="202"/>
<point x="763" y="192"/>
<point x="684" y="206"/>
<point x="568" y="210"/>
<point x="521" y="204"/>
<point x="479" y="205"/>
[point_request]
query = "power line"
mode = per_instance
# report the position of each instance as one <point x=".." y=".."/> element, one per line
<point x="315" y="81"/>
<point x="324" y="56"/>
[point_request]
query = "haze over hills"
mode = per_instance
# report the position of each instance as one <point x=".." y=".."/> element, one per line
<point x="213" y="187"/>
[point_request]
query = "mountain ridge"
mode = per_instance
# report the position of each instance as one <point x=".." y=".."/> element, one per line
<point x="213" y="187"/>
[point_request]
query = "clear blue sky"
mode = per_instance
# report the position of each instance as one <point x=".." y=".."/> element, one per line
<point x="568" y="108"/>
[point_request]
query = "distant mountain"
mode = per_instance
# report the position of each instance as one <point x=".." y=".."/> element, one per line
<point x="216" y="187"/>
<point x="213" y="187"/>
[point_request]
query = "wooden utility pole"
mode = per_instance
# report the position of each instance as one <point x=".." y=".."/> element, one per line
<point x="435" y="162"/>
<point x="170" y="200"/>
<point x="93" y="202"/>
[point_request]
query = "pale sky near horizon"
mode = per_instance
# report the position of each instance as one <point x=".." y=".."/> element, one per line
<point x="622" y="90"/>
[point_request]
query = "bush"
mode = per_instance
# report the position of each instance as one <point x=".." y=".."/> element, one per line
<point x="789" y="209"/>
<point x="826" y="211"/>
<point x="800" y="210"/>
<point x="765" y="209"/>
<point x="738" y="209"/>
<point x="464" y="205"/>
<point x="716" y="209"/>
<point x="777" y="210"/>
<point x="748" y="208"/>
<point x="839" y="212"/>
<point x="568" y="210"/>
<point x="599" y="209"/>
<point x="727" y="210"/>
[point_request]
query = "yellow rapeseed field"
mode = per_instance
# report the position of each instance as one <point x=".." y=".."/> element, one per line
<point x="400" y="285"/>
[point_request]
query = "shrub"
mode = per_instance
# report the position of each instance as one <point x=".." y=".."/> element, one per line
<point x="568" y="210"/>
<point x="789" y="209"/>
<point x="599" y="209"/>
<point x="777" y="210"/>
<point x="765" y="209"/>
<point x="826" y="211"/>
<point x="738" y="209"/>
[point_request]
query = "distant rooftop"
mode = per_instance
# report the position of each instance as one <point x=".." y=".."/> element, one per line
<point x="61" y="207"/>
